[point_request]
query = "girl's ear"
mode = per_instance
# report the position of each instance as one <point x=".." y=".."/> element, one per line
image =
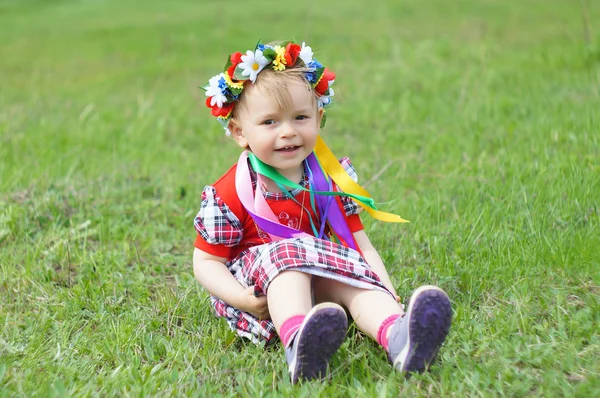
<point x="320" y="116"/>
<point x="237" y="133"/>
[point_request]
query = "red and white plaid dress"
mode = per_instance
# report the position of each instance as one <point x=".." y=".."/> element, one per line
<point x="225" y="229"/>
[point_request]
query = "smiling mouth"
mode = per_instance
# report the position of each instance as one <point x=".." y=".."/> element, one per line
<point x="288" y="149"/>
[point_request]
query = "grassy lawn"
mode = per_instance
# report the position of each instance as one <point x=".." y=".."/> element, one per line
<point x="479" y="121"/>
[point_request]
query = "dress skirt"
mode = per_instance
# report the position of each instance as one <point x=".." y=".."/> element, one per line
<point x="259" y="266"/>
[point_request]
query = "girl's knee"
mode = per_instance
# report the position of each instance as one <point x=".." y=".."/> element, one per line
<point x="291" y="277"/>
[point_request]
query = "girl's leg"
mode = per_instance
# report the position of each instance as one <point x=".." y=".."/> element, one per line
<point x="369" y="308"/>
<point x="310" y="335"/>
<point x="411" y="340"/>
<point x="289" y="294"/>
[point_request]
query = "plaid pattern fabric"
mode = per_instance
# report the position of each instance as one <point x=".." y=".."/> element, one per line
<point x="259" y="265"/>
<point x="216" y="222"/>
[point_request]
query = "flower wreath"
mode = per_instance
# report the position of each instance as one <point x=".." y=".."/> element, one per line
<point x="224" y="89"/>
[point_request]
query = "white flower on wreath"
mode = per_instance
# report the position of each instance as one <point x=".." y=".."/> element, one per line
<point x="325" y="100"/>
<point x="252" y="63"/>
<point x="214" y="90"/>
<point x="306" y="54"/>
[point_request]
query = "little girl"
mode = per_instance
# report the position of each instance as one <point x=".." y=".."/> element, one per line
<point x="280" y="245"/>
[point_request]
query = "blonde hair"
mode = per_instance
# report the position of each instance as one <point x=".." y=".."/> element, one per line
<point x="275" y="84"/>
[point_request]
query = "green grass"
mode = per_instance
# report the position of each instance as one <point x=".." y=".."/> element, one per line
<point x="480" y="117"/>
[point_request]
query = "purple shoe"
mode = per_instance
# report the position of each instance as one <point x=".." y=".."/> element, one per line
<point x="416" y="338"/>
<point x="321" y="334"/>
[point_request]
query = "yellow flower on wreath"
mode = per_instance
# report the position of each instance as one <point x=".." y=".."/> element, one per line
<point x="279" y="62"/>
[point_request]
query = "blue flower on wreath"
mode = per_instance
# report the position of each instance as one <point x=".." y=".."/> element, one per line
<point x="311" y="77"/>
<point x="314" y="65"/>
<point x="223" y="85"/>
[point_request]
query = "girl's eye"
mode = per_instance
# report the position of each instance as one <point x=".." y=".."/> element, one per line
<point x="301" y="117"/>
<point x="268" y="122"/>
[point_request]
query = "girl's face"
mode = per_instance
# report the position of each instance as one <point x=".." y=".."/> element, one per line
<point x="281" y="138"/>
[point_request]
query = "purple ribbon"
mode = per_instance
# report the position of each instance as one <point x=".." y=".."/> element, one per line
<point x="336" y="219"/>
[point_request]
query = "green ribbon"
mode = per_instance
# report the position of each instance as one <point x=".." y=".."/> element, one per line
<point x="274" y="175"/>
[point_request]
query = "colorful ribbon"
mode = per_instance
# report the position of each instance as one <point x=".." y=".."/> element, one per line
<point x="318" y="165"/>
<point x="270" y="172"/>
<point x="336" y="219"/>
<point x="342" y="179"/>
<point x="266" y="220"/>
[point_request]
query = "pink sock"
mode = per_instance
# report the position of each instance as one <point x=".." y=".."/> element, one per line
<point x="289" y="328"/>
<point x="383" y="330"/>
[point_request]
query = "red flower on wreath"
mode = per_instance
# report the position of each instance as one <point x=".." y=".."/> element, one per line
<point x="216" y="111"/>
<point x="292" y="51"/>
<point x="235" y="58"/>
<point x="323" y="84"/>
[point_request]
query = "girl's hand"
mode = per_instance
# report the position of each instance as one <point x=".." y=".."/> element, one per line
<point x="256" y="306"/>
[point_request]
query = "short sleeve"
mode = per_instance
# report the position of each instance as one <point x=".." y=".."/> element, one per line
<point x="350" y="206"/>
<point x="216" y="223"/>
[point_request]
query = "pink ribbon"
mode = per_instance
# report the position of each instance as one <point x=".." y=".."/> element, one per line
<point x="256" y="204"/>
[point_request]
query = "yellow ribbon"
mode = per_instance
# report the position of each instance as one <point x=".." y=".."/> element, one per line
<point x="332" y="166"/>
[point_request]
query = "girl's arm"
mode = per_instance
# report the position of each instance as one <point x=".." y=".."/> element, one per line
<point x="214" y="276"/>
<point x="370" y="254"/>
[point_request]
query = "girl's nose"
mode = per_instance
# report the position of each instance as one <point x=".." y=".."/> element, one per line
<point x="287" y="130"/>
